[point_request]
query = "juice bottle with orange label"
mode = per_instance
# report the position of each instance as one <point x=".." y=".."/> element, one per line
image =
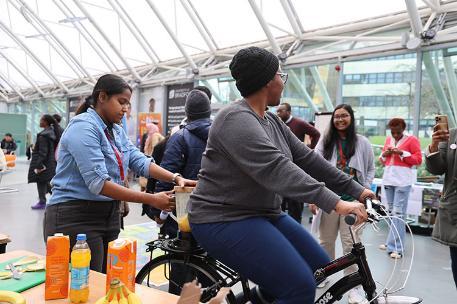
<point x="121" y="263"/>
<point x="80" y="262"/>
<point x="57" y="258"/>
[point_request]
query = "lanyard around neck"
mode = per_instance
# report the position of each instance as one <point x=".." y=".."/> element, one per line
<point x="342" y="156"/>
<point x="117" y="153"/>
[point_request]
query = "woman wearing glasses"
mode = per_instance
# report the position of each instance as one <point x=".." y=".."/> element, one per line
<point x="93" y="157"/>
<point x="251" y="160"/>
<point x="352" y="154"/>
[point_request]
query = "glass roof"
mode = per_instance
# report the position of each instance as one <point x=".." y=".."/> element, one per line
<point x="53" y="41"/>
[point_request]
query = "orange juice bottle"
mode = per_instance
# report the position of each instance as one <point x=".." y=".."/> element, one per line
<point x="121" y="263"/>
<point x="80" y="262"/>
<point x="57" y="258"/>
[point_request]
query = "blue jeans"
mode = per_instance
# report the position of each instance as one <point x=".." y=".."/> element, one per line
<point x="279" y="255"/>
<point x="397" y="198"/>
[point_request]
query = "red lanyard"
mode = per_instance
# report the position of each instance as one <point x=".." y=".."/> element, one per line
<point x="117" y="153"/>
<point x="342" y="156"/>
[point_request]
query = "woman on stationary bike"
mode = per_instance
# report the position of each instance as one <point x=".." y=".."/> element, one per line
<point x="251" y="160"/>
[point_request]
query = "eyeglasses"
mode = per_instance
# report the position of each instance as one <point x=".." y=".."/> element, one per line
<point x="284" y="77"/>
<point x="342" y="116"/>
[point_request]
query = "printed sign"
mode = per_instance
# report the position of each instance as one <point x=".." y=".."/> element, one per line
<point x="176" y="100"/>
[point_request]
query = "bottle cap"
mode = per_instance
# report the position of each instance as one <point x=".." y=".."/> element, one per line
<point x="58" y="234"/>
<point x="81" y="237"/>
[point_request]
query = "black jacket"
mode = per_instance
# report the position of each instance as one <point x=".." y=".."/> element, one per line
<point x="9" y="146"/>
<point x="185" y="150"/>
<point x="183" y="154"/>
<point x="43" y="155"/>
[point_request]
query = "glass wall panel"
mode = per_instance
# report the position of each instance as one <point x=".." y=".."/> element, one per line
<point x="35" y="109"/>
<point x="438" y="91"/>
<point x="439" y="88"/>
<point x="224" y="91"/>
<point x="308" y="89"/>
<point x="311" y="89"/>
<point x="379" y="89"/>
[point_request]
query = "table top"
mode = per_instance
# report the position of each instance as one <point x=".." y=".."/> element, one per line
<point x="435" y="186"/>
<point x="97" y="282"/>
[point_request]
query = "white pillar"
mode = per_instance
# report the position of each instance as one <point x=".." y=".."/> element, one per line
<point x="3" y="107"/>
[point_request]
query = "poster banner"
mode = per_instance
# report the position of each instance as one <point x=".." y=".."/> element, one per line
<point x="72" y="105"/>
<point x="176" y="99"/>
<point x="145" y="118"/>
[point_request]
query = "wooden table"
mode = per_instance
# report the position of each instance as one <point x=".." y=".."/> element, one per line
<point x="4" y="239"/>
<point x="97" y="282"/>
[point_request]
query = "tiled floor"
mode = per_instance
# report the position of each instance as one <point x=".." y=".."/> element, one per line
<point x="430" y="278"/>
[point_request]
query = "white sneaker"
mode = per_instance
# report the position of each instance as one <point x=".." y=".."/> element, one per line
<point x="396" y="255"/>
<point x="355" y="296"/>
<point x="383" y="247"/>
<point x="324" y="283"/>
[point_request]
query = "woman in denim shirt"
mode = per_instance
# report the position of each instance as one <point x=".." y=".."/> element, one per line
<point x="93" y="158"/>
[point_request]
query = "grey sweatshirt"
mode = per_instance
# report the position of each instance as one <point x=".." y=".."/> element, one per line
<point x="251" y="162"/>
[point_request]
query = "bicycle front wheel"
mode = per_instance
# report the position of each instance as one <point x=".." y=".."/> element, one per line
<point x="171" y="271"/>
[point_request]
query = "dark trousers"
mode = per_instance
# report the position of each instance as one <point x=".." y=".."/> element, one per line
<point x="100" y="221"/>
<point x="279" y="255"/>
<point x="454" y="263"/>
<point x="43" y="188"/>
<point x="295" y="209"/>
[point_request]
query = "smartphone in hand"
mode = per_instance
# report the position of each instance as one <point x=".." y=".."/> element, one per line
<point x="441" y="123"/>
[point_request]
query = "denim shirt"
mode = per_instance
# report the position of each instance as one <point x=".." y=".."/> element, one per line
<point x="86" y="159"/>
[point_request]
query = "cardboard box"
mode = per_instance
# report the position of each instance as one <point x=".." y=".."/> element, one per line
<point x="121" y="263"/>
<point x="57" y="267"/>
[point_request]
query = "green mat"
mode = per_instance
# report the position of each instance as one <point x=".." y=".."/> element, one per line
<point x="27" y="281"/>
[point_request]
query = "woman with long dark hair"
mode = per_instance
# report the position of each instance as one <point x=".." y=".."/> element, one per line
<point x="43" y="164"/>
<point x="93" y="158"/>
<point x="352" y="154"/>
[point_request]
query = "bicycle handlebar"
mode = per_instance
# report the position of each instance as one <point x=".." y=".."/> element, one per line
<point x="350" y="219"/>
<point x="373" y="211"/>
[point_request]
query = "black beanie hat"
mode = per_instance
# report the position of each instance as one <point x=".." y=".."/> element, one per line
<point x="253" y="68"/>
<point x="197" y="105"/>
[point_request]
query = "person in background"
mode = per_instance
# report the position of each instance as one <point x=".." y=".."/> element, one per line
<point x="154" y="137"/>
<point x="58" y="128"/>
<point x="441" y="158"/>
<point x="8" y="144"/>
<point x="151" y="128"/>
<point x="300" y="128"/>
<point x="353" y="155"/>
<point x="94" y="156"/>
<point x="152" y="105"/>
<point x="183" y="154"/>
<point x="400" y="153"/>
<point x="157" y="155"/>
<point x="169" y="227"/>
<point x="208" y="93"/>
<point x="185" y="148"/>
<point x="130" y="124"/>
<point x="251" y="160"/>
<point x="43" y="164"/>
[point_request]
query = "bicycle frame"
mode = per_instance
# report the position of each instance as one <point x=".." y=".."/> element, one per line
<point x="230" y="277"/>
<point x="361" y="277"/>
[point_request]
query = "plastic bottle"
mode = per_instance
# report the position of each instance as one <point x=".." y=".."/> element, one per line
<point x="80" y="262"/>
